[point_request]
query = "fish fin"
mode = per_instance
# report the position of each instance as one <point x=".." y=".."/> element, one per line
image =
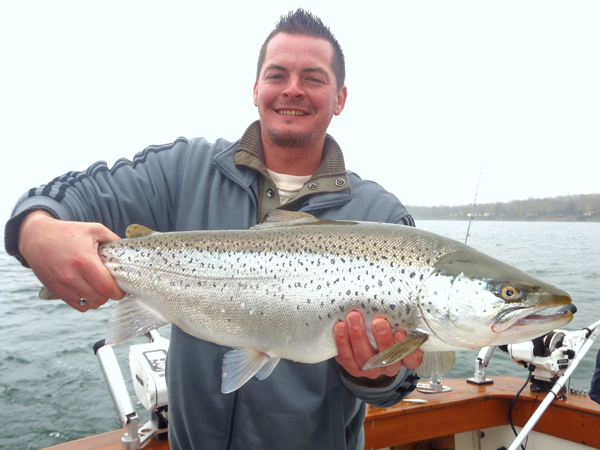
<point x="135" y="231"/>
<point x="397" y="351"/>
<point x="131" y="317"/>
<point x="267" y="369"/>
<point x="436" y="364"/>
<point x="47" y="294"/>
<point x="239" y="365"/>
<point x="281" y="218"/>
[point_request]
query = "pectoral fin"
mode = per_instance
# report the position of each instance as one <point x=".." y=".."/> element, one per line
<point x="240" y="364"/>
<point x="397" y="351"/>
<point x="436" y="364"/>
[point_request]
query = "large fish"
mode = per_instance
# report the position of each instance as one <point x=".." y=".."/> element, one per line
<point x="277" y="290"/>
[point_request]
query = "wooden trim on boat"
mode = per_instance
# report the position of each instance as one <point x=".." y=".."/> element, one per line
<point x="467" y="407"/>
<point x="471" y="407"/>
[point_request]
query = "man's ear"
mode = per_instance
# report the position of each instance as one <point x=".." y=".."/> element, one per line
<point x="342" y="95"/>
<point x="256" y="93"/>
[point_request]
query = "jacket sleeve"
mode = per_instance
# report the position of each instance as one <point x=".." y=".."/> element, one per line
<point x="384" y="394"/>
<point x="143" y="191"/>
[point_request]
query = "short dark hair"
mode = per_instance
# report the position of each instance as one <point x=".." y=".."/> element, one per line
<point x="305" y="23"/>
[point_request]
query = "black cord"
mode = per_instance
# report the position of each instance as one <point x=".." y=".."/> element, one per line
<point x="531" y="369"/>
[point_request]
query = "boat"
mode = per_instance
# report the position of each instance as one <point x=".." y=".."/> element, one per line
<point x="477" y="413"/>
<point x="468" y="417"/>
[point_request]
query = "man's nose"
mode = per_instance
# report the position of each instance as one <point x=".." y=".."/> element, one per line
<point x="293" y="89"/>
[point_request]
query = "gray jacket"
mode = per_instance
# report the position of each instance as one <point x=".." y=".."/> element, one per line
<point x="190" y="185"/>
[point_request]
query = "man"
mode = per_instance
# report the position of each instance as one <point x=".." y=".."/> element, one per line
<point x="595" y="386"/>
<point x="284" y="160"/>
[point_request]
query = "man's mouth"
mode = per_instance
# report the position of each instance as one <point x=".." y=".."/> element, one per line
<point x="291" y="112"/>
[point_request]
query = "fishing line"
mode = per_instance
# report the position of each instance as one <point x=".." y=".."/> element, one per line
<point x="473" y="206"/>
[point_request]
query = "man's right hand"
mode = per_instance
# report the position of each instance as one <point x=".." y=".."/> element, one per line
<point x="64" y="257"/>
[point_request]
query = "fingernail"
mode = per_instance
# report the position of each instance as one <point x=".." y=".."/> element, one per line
<point x="381" y="327"/>
<point x="354" y="321"/>
<point x="339" y="329"/>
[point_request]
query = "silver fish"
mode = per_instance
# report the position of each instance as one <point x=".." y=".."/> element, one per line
<point x="277" y="290"/>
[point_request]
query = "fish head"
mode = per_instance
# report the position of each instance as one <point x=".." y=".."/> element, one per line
<point x="471" y="300"/>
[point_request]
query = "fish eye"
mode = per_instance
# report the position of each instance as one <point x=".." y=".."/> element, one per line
<point x="510" y="293"/>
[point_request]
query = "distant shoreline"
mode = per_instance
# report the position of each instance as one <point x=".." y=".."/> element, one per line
<point x="571" y="208"/>
<point x="574" y="218"/>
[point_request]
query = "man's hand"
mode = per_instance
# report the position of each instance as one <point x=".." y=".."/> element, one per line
<point x="354" y="348"/>
<point x="64" y="257"/>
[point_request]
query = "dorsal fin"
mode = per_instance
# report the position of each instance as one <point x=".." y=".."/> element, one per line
<point x="281" y="218"/>
<point x="135" y="231"/>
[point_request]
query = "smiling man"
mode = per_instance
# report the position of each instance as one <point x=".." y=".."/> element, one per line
<point x="297" y="95"/>
<point x="284" y="160"/>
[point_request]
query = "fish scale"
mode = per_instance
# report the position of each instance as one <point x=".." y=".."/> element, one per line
<point x="277" y="290"/>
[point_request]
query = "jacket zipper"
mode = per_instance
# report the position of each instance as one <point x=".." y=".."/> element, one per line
<point x="231" y="426"/>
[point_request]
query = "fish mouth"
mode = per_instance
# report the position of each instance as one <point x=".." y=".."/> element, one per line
<point x="523" y="316"/>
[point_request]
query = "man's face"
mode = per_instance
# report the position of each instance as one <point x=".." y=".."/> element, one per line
<point x="296" y="92"/>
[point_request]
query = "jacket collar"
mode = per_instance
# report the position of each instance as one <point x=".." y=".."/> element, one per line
<point x="243" y="161"/>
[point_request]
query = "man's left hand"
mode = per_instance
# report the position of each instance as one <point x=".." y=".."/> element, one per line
<point x="354" y="348"/>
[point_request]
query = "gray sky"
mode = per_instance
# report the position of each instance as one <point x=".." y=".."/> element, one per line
<point x="437" y="90"/>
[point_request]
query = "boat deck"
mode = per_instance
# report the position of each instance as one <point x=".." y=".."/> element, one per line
<point x="466" y="408"/>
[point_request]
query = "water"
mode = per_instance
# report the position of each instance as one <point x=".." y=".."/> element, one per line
<point x="52" y="389"/>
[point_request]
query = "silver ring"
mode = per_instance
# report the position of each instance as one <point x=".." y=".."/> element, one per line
<point x="82" y="301"/>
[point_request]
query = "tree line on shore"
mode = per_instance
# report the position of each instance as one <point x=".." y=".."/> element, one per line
<point x="583" y="207"/>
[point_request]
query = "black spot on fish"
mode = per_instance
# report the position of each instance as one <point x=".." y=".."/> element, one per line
<point x="392" y="307"/>
<point x="412" y="275"/>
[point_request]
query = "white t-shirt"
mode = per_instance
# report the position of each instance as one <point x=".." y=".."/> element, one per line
<point x="288" y="186"/>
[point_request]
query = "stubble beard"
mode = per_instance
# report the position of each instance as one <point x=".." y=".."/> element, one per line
<point x="289" y="139"/>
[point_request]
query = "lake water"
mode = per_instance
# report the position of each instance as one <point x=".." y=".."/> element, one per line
<point x="52" y="389"/>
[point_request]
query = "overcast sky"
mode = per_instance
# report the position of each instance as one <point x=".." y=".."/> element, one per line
<point x="438" y="91"/>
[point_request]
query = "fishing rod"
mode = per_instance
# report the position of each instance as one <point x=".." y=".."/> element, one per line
<point x="473" y="206"/>
<point x="594" y="331"/>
